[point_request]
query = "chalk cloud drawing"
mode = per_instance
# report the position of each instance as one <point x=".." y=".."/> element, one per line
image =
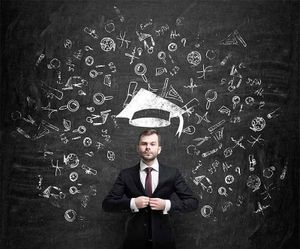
<point x="147" y="109"/>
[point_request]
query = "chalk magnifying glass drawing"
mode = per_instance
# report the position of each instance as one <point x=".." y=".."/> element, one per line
<point x="210" y="96"/>
<point x="162" y="56"/>
<point x="141" y="69"/>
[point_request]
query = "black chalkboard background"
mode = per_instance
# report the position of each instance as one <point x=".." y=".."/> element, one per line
<point x="248" y="183"/>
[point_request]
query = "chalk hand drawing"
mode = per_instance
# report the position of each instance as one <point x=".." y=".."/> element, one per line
<point x="147" y="109"/>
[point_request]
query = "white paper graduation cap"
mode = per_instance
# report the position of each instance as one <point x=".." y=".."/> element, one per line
<point x="147" y="109"/>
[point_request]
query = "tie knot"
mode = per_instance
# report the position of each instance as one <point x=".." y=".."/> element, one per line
<point x="148" y="170"/>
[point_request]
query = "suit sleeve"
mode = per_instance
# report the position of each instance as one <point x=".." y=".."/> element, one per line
<point x="183" y="200"/>
<point x="116" y="200"/>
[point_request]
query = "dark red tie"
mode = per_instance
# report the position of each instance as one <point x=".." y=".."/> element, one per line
<point x="148" y="182"/>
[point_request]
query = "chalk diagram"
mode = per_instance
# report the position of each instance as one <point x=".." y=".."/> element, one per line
<point x="145" y="104"/>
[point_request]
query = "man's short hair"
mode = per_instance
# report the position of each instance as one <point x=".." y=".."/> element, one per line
<point x="149" y="132"/>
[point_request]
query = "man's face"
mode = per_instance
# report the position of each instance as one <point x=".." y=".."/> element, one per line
<point x="148" y="148"/>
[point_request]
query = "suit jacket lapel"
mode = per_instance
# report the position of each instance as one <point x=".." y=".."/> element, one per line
<point x="137" y="179"/>
<point x="162" y="175"/>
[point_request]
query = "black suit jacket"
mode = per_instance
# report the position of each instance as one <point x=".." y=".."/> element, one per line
<point x="139" y="225"/>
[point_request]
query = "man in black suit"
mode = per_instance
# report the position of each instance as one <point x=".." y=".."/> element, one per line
<point x="149" y="192"/>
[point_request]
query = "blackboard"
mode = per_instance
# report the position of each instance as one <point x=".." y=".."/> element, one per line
<point x="81" y="79"/>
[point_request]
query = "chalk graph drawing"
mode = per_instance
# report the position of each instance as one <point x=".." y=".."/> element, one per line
<point x="146" y="109"/>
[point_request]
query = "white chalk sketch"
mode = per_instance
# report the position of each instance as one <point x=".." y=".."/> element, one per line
<point x="141" y="69"/>
<point x="233" y="39"/>
<point x="191" y="85"/>
<point x="192" y="150"/>
<point x="194" y="58"/>
<point x="72" y="106"/>
<point x="203" y="72"/>
<point x="258" y="124"/>
<point x="146" y="39"/>
<point x="74" y="190"/>
<point x="172" y="47"/>
<point x="110" y="155"/>
<point x="260" y="208"/>
<point x="70" y="215"/>
<point x="51" y="92"/>
<point x="71" y="160"/>
<point x="73" y="176"/>
<point x="201" y="140"/>
<point x="197" y="167"/>
<point x="222" y="191"/>
<point x="88" y="170"/>
<point x="99" y="98"/>
<point x="39" y="187"/>
<point x="81" y="129"/>
<point x="49" y="109"/>
<point x="189" y="106"/>
<point x="57" y="168"/>
<point x="147" y="109"/>
<point x="253" y="182"/>
<point x="208" y="183"/>
<point x="226" y="166"/>
<point x="210" y="152"/>
<point x="109" y="26"/>
<point x="173" y="94"/>
<point x="107" y="44"/>
<point x="266" y="193"/>
<point x="132" y="55"/>
<point x="210" y="54"/>
<point x="226" y="206"/>
<point x="255" y="140"/>
<point x="229" y="179"/>
<point x="268" y="172"/>
<point x="273" y="114"/>
<point x="206" y="211"/>
<point x="252" y="162"/>
<point x="211" y="96"/>
<point x="200" y="118"/>
<point x="53" y="191"/>
<point x="87" y="142"/>
<point x="283" y="173"/>
<point x="235" y="100"/>
<point x="189" y="130"/>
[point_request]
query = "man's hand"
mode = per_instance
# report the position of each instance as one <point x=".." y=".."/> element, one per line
<point x="142" y="201"/>
<point x="157" y="204"/>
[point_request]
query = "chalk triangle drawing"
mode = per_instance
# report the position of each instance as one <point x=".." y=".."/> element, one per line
<point x="235" y="72"/>
<point x="229" y="40"/>
<point x="219" y="134"/>
<point x="173" y="94"/>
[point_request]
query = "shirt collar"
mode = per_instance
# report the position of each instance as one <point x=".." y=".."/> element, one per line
<point x="143" y="166"/>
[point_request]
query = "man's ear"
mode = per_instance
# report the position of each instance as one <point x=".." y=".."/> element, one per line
<point x="159" y="149"/>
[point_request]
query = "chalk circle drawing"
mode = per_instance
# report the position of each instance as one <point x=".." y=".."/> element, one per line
<point x="190" y="130"/>
<point x="72" y="106"/>
<point x="172" y="47"/>
<point x="147" y="109"/>
<point x="206" y="211"/>
<point x="249" y="101"/>
<point x="253" y="182"/>
<point x="73" y="176"/>
<point x="71" y="160"/>
<point x="229" y="179"/>
<point x="70" y="215"/>
<point x="194" y="58"/>
<point x="141" y="69"/>
<point x="68" y="44"/>
<point x="258" y="124"/>
<point x="110" y="155"/>
<point x="54" y="64"/>
<point x="235" y="101"/>
<point x="87" y="142"/>
<point x="94" y="73"/>
<point x="99" y="98"/>
<point x="107" y="44"/>
<point x="89" y="60"/>
<point x="268" y="172"/>
<point x="81" y="129"/>
<point x="109" y="26"/>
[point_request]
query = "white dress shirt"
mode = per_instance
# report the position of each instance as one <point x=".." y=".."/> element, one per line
<point x="154" y="178"/>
